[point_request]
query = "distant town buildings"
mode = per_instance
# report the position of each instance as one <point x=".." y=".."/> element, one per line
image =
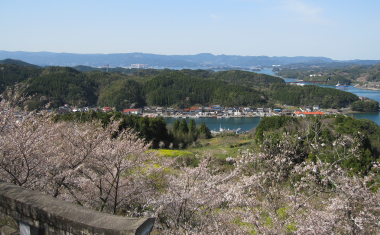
<point x="205" y="111"/>
<point x="138" y="66"/>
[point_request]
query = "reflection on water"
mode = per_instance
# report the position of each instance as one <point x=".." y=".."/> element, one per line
<point x="214" y="124"/>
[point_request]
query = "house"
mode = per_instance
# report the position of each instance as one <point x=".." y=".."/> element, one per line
<point x="149" y="111"/>
<point x="267" y="110"/>
<point x="239" y="131"/>
<point x="237" y="113"/>
<point x="63" y="110"/>
<point x="299" y="113"/>
<point x="206" y="109"/>
<point x="309" y="108"/>
<point x="160" y="110"/>
<point x="107" y="109"/>
<point x="131" y="111"/>
<point x="316" y="108"/>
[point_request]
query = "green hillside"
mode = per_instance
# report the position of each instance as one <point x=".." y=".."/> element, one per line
<point x="346" y="75"/>
<point x="17" y="62"/>
<point x="176" y="88"/>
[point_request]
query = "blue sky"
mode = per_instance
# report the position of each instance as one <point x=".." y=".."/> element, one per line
<point x="338" y="29"/>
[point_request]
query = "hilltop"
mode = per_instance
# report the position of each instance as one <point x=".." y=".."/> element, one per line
<point x="344" y="73"/>
<point x="18" y="62"/>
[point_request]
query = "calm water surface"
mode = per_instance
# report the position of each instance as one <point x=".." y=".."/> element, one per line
<point x="214" y="124"/>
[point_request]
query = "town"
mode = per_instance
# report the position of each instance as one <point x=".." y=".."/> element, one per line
<point x="216" y="111"/>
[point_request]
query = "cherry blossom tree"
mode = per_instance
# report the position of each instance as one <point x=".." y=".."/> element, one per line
<point x="112" y="175"/>
<point x="85" y="163"/>
<point x="290" y="184"/>
<point x="23" y="141"/>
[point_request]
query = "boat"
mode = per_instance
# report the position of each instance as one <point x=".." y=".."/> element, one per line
<point x="345" y="86"/>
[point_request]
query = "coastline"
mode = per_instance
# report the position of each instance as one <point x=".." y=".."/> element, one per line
<point x="366" y="88"/>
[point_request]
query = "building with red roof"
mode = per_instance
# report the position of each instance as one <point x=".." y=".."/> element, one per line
<point x="107" y="109"/>
<point x="131" y="111"/>
<point x="309" y="113"/>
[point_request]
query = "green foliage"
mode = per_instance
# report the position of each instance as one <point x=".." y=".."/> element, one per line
<point x="272" y="123"/>
<point x="183" y="128"/>
<point x="192" y="126"/>
<point x="18" y="62"/>
<point x="259" y="134"/>
<point x="176" y="126"/>
<point x="366" y="129"/>
<point x="365" y="106"/>
<point x="191" y="161"/>
<point x="311" y="95"/>
<point x="150" y="72"/>
<point x="151" y="129"/>
<point x="62" y="85"/>
<point x="238" y="77"/>
<point x="199" y="73"/>
<point x="344" y="74"/>
<point x="184" y="88"/>
<point x="11" y="74"/>
<point x="331" y="140"/>
<point x="122" y="94"/>
<point x="179" y="89"/>
<point x="205" y="131"/>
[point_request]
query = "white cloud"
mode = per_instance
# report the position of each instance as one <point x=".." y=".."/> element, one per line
<point x="302" y="9"/>
<point x="215" y="17"/>
<point x="305" y="11"/>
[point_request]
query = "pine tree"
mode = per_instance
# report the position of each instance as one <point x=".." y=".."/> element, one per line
<point x="192" y="126"/>
<point x="175" y="126"/>
<point x="183" y="127"/>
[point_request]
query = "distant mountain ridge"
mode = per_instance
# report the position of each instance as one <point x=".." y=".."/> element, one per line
<point x="152" y="60"/>
<point x="167" y="61"/>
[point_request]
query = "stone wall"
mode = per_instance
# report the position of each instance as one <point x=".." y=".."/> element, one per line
<point x="59" y="217"/>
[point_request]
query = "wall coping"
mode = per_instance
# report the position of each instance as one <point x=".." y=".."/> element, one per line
<point x="54" y="215"/>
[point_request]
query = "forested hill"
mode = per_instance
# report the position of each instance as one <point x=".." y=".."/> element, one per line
<point x="312" y="95"/>
<point x="18" y="62"/>
<point x="176" y="88"/>
<point x="249" y="79"/>
<point x="11" y="74"/>
<point x="344" y="75"/>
